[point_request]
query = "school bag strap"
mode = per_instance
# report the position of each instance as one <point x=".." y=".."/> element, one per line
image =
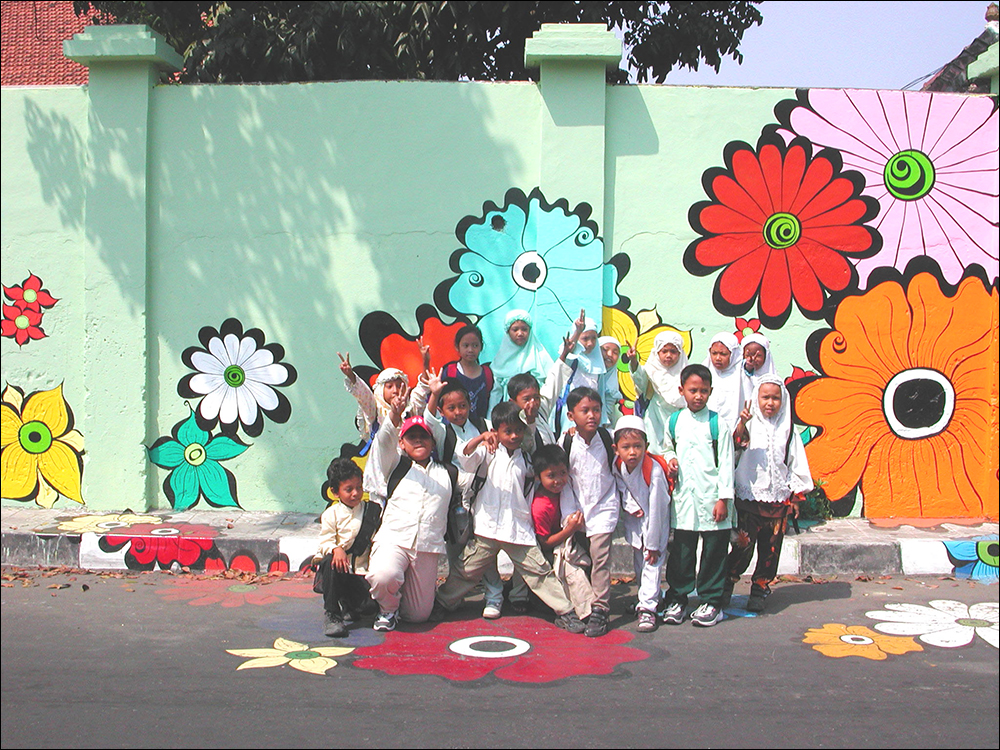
<point x="401" y="470"/>
<point x="647" y="469"/>
<point x="371" y="519"/>
<point x="450" y="441"/>
<point x="561" y="401"/>
<point x="371" y="438"/>
<point x="713" y="428"/>
<point x="609" y="447"/>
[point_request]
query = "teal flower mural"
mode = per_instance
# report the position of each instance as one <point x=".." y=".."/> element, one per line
<point x="978" y="559"/>
<point x="528" y="255"/>
<point x="193" y="456"/>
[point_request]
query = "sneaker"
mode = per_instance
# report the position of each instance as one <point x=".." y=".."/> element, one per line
<point x="597" y="623"/>
<point x="673" y="614"/>
<point x="570" y="623"/>
<point x="755" y="603"/>
<point x="519" y="607"/>
<point x="647" y="621"/>
<point x="334" y="626"/>
<point x="385" y="622"/>
<point x="491" y="612"/>
<point x="706" y="615"/>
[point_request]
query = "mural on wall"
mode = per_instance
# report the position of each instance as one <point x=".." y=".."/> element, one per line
<point x="41" y="454"/>
<point x="875" y="211"/>
<point x="22" y="320"/>
<point x="978" y="559"/>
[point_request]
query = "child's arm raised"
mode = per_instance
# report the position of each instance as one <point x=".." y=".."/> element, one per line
<point x="569" y="342"/>
<point x="741" y="435"/>
<point x="345" y="367"/>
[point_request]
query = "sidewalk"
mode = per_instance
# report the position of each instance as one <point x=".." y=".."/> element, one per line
<point x="216" y="539"/>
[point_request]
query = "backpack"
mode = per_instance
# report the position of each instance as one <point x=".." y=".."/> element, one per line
<point x="561" y="401"/>
<point x="647" y="468"/>
<point x="371" y="519"/>
<point x="713" y="426"/>
<point x="450" y="372"/>
<point x="605" y="438"/>
<point x="401" y="470"/>
<point x="451" y="438"/>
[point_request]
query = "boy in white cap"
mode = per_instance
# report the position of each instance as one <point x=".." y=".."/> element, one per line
<point x="646" y="502"/>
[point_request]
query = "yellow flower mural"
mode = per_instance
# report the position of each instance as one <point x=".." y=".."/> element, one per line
<point x="102" y="524"/>
<point x="41" y="455"/>
<point x="837" y="641"/>
<point x="638" y="330"/>
<point x="315" y="660"/>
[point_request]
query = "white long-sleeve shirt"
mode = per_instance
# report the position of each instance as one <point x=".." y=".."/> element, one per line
<point x="700" y="481"/>
<point x="594" y="486"/>
<point x="651" y="530"/>
<point x="502" y="511"/>
<point x="339" y="527"/>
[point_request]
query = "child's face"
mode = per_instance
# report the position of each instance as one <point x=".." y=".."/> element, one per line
<point x="393" y="389"/>
<point x="588" y="340"/>
<point x="510" y="436"/>
<point x="417" y="443"/>
<point x="586" y="415"/>
<point x="754" y="356"/>
<point x="529" y="400"/>
<point x="696" y="392"/>
<point x="469" y="348"/>
<point x="720" y="355"/>
<point x="611" y="353"/>
<point x="630" y="449"/>
<point x="554" y="478"/>
<point x="769" y="399"/>
<point x="350" y="491"/>
<point x="455" y="408"/>
<point x="668" y="355"/>
<point x="519" y="332"/>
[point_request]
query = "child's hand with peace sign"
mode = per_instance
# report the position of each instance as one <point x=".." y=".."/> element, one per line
<point x="345" y="367"/>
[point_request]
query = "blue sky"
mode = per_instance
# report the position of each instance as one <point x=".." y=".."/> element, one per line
<point x="846" y="44"/>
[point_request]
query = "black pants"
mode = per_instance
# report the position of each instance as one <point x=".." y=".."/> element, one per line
<point x="764" y="533"/>
<point x="342" y="592"/>
<point x="682" y="563"/>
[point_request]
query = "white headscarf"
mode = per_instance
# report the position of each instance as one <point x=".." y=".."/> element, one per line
<point x="727" y="385"/>
<point x="768" y="368"/>
<point x="762" y="473"/>
<point x="667" y="380"/>
<point x="512" y="359"/>
<point x="590" y="364"/>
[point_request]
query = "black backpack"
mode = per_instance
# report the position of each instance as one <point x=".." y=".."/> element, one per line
<point x="605" y="438"/>
<point x="403" y="467"/>
<point x="451" y="438"/>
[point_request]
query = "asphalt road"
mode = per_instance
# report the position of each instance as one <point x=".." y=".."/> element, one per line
<point x="93" y="660"/>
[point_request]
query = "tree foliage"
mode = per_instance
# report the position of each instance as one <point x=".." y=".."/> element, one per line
<point x="234" y="42"/>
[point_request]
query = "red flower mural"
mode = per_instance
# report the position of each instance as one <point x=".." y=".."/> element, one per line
<point x="161" y="544"/>
<point x="21" y="323"/>
<point x="782" y="223"/>
<point x="30" y="293"/>
<point x="744" y="327"/>
<point x="518" y="649"/>
<point x="798" y="373"/>
<point x="234" y="592"/>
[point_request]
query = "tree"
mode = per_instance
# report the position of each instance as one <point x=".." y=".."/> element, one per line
<point x="447" y="40"/>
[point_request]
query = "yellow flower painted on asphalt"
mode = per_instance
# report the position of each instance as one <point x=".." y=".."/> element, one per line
<point x="315" y="660"/>
<point x="638" y="330"/>
<point x="41" y="455"/>
<point x="102" y="524"/>
<point x="837" y="641"/>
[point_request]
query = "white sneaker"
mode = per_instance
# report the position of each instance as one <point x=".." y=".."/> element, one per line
<point x="673" y="614"/>
<point x="385" y="622"/>
<point x="706" y="616"/>
<point x="491" y="612"/>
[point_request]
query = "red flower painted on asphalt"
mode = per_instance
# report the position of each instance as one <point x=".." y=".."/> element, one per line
<point x="518" y="649"/>
<point x="30" y="292"/>
<point x="21" y="323"/>
<point x="233" y="592"/>
<point x="782" y="223"/>
<point x="151" y="544"/>
<point x="744" y="327"/>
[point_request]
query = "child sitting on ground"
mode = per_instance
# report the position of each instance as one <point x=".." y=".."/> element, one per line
<point x="658" y="384"/>
<point x="772" y="474"/>
<point x="341" y="561"/>
<point x="557" y="539"/>
<point x="502" y="520"/>
<point x="647" y="513"/>
<point x="700" y="453"/>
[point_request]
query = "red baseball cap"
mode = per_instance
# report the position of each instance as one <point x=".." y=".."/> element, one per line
<point x="411" y="422"/>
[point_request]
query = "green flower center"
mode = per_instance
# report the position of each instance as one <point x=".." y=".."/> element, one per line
<point x="972" y="622"/>
<point x="29" y="295"/>
<point x="782" y="230"/>
<point x="988" y="552"/>
<point x="302" y="655"/>
<point x="22" y="322"/>
<point x="195" y="454"/>
<point x="909" y="175"/>
<point x="35" y="437"/>
<point x="622" y="359"/>
<point x="234" y="376"/>
<point x="242" y="588"/>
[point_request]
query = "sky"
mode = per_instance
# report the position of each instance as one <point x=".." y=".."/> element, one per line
<point x="817" y="43"/>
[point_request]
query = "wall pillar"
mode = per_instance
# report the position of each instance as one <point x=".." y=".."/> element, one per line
<point x="123" y="63"/>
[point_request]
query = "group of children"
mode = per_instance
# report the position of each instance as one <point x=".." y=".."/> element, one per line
<point x="712" y="459"/>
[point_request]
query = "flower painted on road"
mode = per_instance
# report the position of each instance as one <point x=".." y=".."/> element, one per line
<point x="21" y="324"/>
<point x="518" y="649"/>
<point x="102" y="524"/>
<point x="311" y="659"/>
<point x="234" y="593"/>
<point x="943" y="623"/>
<point x="150" y="545"/>
<point x="236" y="379"/>
<point x="41" y="455"/>
<point x="29" y="294"/>
<point x="782" y="223"/>
<point x="639" y="331"/>
<point x="929" y="159"/>
<point x="838" y="641"/>
<point x="904" y="400"/>
<point x="193" y="456"/>
<point x="528" y="255"/>
<point x="977" y="558"/>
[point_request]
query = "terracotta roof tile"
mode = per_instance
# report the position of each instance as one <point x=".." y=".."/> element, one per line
<point x="31" y="37"/>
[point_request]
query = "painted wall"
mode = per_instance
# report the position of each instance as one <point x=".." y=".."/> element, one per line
<point x="307" y="220"/>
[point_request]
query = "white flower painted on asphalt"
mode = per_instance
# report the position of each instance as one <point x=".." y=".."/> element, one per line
<point x="236" y="376"/>
<point x="942" y="623"/>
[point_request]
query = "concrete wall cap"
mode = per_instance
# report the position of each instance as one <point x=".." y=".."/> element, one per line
<point x="122" y="43"/>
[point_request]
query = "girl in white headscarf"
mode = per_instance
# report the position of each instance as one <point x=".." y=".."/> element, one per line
<point x="772" y="476"/>
<point x="659" y="381"/>
<point x="757" y="360"/>
<point x="611" y="393"/>
<point x="520" y="351"/>
<point x="725" y="357"/>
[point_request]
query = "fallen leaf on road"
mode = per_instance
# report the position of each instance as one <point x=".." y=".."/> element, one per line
<point x="85" y="587"/>
<point x="58" y="586"/>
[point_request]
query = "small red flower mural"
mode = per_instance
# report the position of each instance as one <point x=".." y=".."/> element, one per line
<point x="782" y="223"/>
<point x="227" y="592"/>
<point x="162" y="544"/>
<point x="798" y="373"/>
<point x="744" y="327"/>
<point x="517" y="649"/>
<point x="30" y="293"/>
<point x="21" y="323"/>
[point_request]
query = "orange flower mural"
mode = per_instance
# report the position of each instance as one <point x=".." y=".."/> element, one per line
<point x="838" y="641"/>
<point x="907" y="401"/>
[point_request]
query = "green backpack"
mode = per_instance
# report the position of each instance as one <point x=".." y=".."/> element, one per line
<point x="713" y="426"/>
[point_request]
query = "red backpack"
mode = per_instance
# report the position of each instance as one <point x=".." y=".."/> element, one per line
<point x="647" y="469"/>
